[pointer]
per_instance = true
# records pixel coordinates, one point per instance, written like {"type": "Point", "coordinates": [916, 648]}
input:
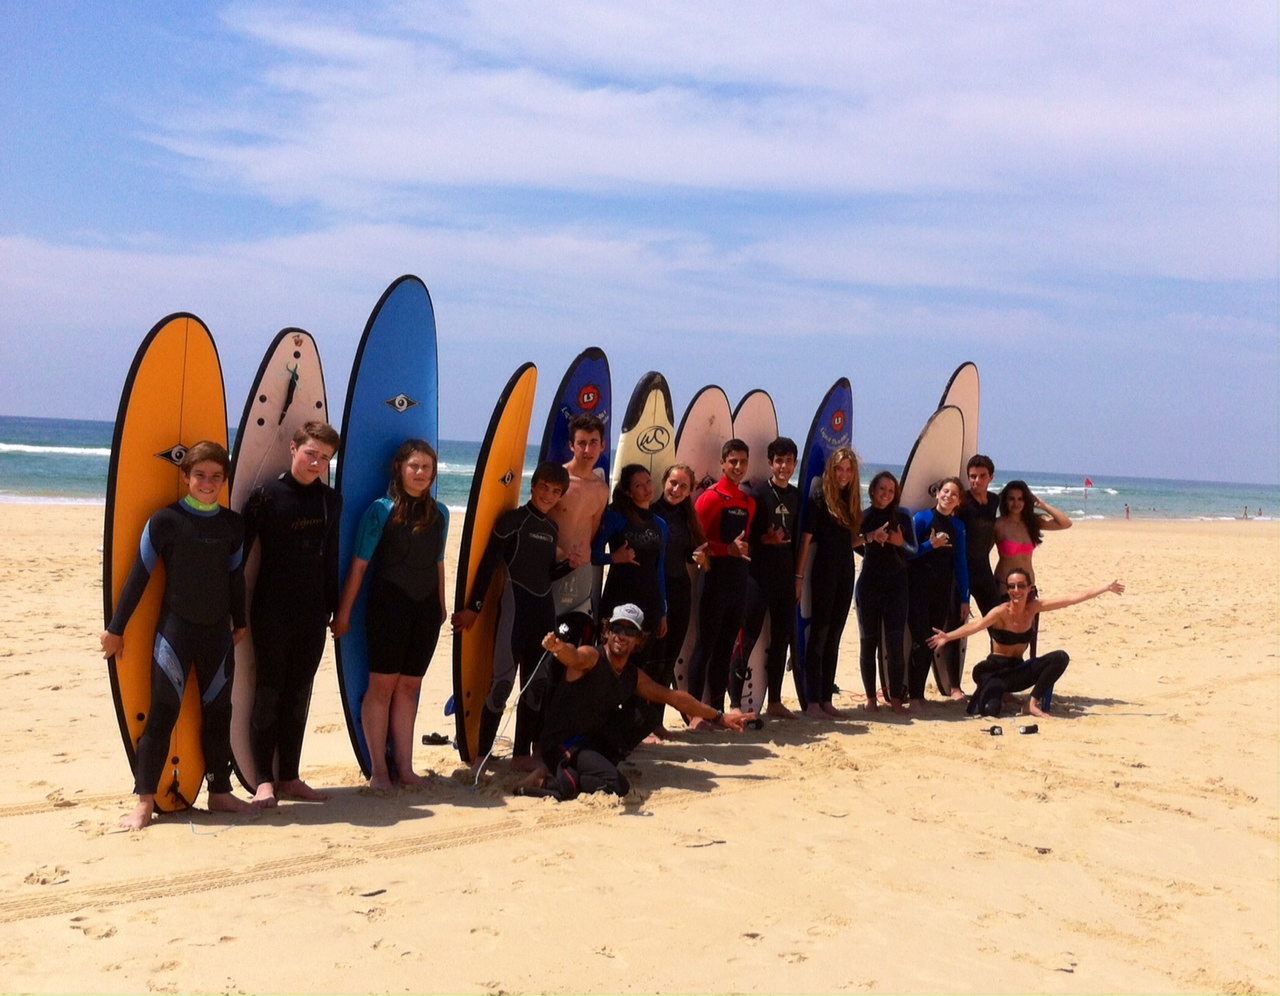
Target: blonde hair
{"type": "Point", "coordinates": [845, 509]}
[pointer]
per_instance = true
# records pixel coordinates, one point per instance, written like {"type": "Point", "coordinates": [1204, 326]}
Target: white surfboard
{"type": "Point", "coordinates": [648, 434]}
{"type": "Point", "coordinates": [963, 391]}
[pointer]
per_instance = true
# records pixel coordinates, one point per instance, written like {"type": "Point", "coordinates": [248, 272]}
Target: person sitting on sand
{"type": "Point", "coordinates": [404, 535]}
{"type": "Point", "coordinates": [597, 714]}
{"type": "Point", "coordinates": [202, 546]}
{"type": "Point", "coordinates": [1005, 672]}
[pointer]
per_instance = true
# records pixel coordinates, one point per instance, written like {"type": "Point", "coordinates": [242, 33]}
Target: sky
{"type": "Point", "coordinates": [1082, 198]}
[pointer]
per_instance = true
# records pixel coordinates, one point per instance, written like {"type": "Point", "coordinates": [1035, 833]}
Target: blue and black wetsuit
{"type": "Point", "coordinates": [980, 536]}
{"type": "Point", "coordinates": [641, 583]}
{"type": "Point", "coordinates": [725, 512]}
{"type": "Point", "coordinates": [203, 553]}
{"type": "Point", "coordinates": [938, 578]}
{"type": "Point", "coordinates": [771, 587]}
{"type": "Point", "coordinates": [294, 599]}
{"type": "Point", "coordinates": [404, 614]}
{"type": "Point", "coordinates": [882, 599]}
{"type": "Point", "coordinates": [830, 593]}
{"type": "Point", "coordinates": [524, 540]}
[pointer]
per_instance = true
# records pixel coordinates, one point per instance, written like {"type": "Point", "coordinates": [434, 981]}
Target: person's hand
{"type": "Point", "coordinates": [624, 554]}
{"type": "Point", "coordinates": [662, 627]}
{"type": "Point", "coordinates": [736, 721]}
{"type": "Point", "coordinates": [740, 547]}
{"type": "Point", "coordinates": [112, 645]}
{"type": "Point", "coordinates": [774, 536]}
{"type": "Point", "coordinates": [894, 536]}
{"type": "Point", "coordinates": [1117, 587]}
{"type": "Point", "coordinates": [237, 635]}
{"type": "Point", "coordinates": [964, 613]}
{"type": "Point", "coordinates": [938, 640]}
{"type": "Point", "coordinates": [799, 589]}
{"type": "Point", "coordinates": [341, 624]}
{"type": "Point", "coordinates": [700, 556]}
{"type": "Point", "coordinates": [576, 559]}
{"type": "Point", "coordinates": [553, 644]}
{"type": "Point", "coordinates": [938, 540]}
{"type": "Point", "coordinates": [464, 619]}
{"type": "Point", "coordinates": [881, 535]}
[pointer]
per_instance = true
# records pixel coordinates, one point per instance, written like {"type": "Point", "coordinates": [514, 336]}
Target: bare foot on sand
{"type": "Point", "coordinates": [381, 783]}
{"type": "Point", "coordinates": [535, 779]}
{"type": "Point", "coordinates": [1032, 708]}
{"type": "Point", "coordinates": [296, 788]}
{"type": "Point", "coordinates": [897, 706]}
{"type": "Point", "coordinates": [140, 818]}
{"type": "Point", "coordinates": [411, 779]}
{"type": "Point", "coordinates": [958, 696]}
{"type": "Point", "coordinates": [833, 712]}
{"type": "Point", "coordinates": [225, 802]}
{"type": "Point", "coordinates": [872, 705]}
{"type": "Point", "coordinates": [698, 725]}
{"type": "Point", "coordinates": [776, 710]}
{"type": "Point", "coordinates": [815, 711]}
{"type": "Point", "coordinates": [916, 707]}
{"type": "Point", "coordinates": [265, 797]}
{"type": "Point", "coordinates": [525, 763]}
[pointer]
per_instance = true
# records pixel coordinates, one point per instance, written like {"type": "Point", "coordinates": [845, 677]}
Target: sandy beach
{"type": "Point", "coordinates": [1131, 845]}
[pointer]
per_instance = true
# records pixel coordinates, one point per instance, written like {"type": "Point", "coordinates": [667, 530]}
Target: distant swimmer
{"type": "Point", "coordinates": [1010, 624]}
{"type": "Point", "coordinates": [201, 545]}
{"type": "Point", "coordinates": [578, 514]}
{"type": "Point", "coordinates": [403, 536]}
{"type": "Point", "coordinates": [600, 711]}
{"type": "Point", "coordinates": [1126, 510]}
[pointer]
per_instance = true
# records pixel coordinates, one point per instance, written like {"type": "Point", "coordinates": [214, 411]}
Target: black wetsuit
{"type": "Point", "coordinates": [641, 583]}
{"type": "Point", "coordinates": [404, 614]}
{"type": "Point", "coordinates": [830, 594]}
{"type": "Point", "coordinates": [938, 579]}
{"type": "Point", "coordinates": [725, 511]}
{"type": "Point", "coordinates": [882, 599]}
{"type": "Point", "coordinates": [771, 588]}
{"type": "Point", "coordinates": [679, 587]}
{"type": "Point", "coordinates": [980, 537]}
{"type": "Point", "coordinates": [999, 674]}
{"type": "Point", "coordinates": [592, 724]}
{"type": "Point", "coordinates": [524, 540]}
{"type": "Point", "coordinates": [295, 596]}
{"type": "Point", "coordinates": [203, 554]}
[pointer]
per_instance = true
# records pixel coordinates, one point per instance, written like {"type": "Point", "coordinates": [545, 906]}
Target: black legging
{"type": "Point", "coordinates": [932, 605]}
{"type": "Point", "coordinates": [777, 597]}
{"type": "Point", "coordinates": [830, 595]}
{"type": "Point", "coordinates": [882, 615]}
{"type": "Point", "coordinates": [679, 600]}
{"type": "Point", "coordinates": [724, 594]}
{"type": "Point", "coordinates": [1037, 673]}
{"type": "Point", "coordinates": [179, 646]}
{"type": "Point", "coordinates": [287, 648]}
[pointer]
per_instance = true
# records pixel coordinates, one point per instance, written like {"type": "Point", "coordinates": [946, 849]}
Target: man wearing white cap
{"type": "Point", "coordinates": [596, 715]}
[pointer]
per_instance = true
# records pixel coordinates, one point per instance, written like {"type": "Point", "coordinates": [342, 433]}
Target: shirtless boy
{"type": "Point", "coordinates": [578, 513]}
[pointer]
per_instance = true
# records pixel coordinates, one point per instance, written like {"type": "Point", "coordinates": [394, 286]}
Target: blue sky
{"type": "Point", "coordinates": [1081, 198]}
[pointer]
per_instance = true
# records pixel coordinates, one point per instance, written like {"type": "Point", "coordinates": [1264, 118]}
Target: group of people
{"type": "Point", "coordinates": [596, 663]}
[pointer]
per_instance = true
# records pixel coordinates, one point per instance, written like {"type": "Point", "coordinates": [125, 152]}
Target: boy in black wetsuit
{"type": "Point", "coordinates": [978, 513]}
{"type": "Point", "coordinates": [296, 519]}
{"type": "Point", "coordinates": [596, 715]}
{"type": "Point", "coordinates": [770, 588]}
{"type": "Point", "coordinates": [725, 512]}
{"type": "Point", "coordinates": [202, 546]}
{"type": "Point", "coordinates": [524, 540]}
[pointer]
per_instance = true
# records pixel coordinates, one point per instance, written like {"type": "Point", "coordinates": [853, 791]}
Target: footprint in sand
{"type": "Point", "coordinates": [49, 875]}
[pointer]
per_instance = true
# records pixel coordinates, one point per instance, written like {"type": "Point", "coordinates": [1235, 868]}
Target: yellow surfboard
{"type": "Point", "coordinates": [173, 398]}
{"type": "Point", "coordinates": [495, 489]}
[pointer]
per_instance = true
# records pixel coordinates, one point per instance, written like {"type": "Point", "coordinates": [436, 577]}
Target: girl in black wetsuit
{"type": "Point", "coordinates": [833, 517]}
{"type": "Point", "coordinates": [633, 540]}
{"type": "Point", "coordinates": [405, 533]}
{"type": "Point", "coordinates": [685, 553]}
{"type": "Point", "coordinates": [1011, 625]}
{"type": "Point", "coordinates": [887, 542]}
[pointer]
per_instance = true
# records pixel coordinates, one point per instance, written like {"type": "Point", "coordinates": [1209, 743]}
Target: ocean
{"type": "Point", "coordinates": [46, 460]}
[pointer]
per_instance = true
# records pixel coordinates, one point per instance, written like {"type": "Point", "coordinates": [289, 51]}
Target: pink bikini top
{"type": "Point", "coordinates": [1012, 548]}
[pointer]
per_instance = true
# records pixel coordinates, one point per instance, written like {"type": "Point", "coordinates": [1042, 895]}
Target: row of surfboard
{"type": "Point", "coordinates": [173, 397]}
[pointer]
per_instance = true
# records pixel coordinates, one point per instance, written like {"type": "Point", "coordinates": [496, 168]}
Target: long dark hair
{"type": "Point", "coordinates": [690, 512]}
{"type": "Point", "coordinates": [1029, 517]}
{"type": "Point", "coordinates": [892, 507]}
{"type": "Point", "coordinates": [622, 493]}
{"type": "Point", "coordinates": [402, 501]}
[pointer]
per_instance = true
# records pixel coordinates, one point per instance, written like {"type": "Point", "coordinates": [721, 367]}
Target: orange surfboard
{"type": "Point", "coordinates": [173, 398]}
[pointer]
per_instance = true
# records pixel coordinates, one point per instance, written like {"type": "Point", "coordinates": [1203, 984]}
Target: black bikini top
{"type": "Point", "coordinates": [1010, 638]}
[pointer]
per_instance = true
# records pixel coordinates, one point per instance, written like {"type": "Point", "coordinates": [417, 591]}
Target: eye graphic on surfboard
{"type": "Point", "coordinates": [507, 478]}
{"type": "Point", "coordinates": [653, 440]}
{"type": "Point", "coordinates": [174, 455]}
{"type": "Point", "coordinates": [401, 403]}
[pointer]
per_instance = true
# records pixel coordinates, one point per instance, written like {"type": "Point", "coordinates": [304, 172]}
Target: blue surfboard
{"type": "Point", "coordinates": [585, 389]}
{"type": "Point", "coordinates": [392, 395]}
{"type": "Point", "coordinates": [832, 427]}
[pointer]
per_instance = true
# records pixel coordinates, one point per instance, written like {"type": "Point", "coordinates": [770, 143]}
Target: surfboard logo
{"type": "Point", "coordinates": [297, 342]}
{"type": "Point", "coordinates": [401, 403]}
{"type": "Point", "coordinates": [838, 421]}
{"type": "Point", "coordinates": [507, 478]}
{"type": "Point", "coordinates": [174, 455]}
{"type": "Point", "coordinates": [653, 440]}
{"type": "Point", "coordinates": [934, 488]}
{"type": "Point", "coordinates": [589, 397]}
